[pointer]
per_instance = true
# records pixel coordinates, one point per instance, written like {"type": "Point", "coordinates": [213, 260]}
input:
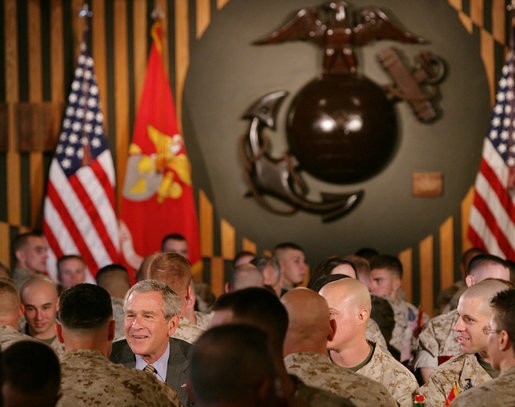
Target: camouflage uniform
{"type": "Point", "coordinates": [314, 397]}
{"type": "Point", "coordinates": [437, 339]}
{"type": "Point", "coordinates": [119, 318]}
{"type": "Point", "coordinates": [20, 276]}
{"type": "Point", "coordinates": [447, 300]}
{"type": "Point", "coordinates": [57, 346]}
{"type": "Point", "coordinates": [374, 333]}
{"type": "Point", "coordinates": [459, 370]}
{"type": "Point", "coordinates": [88, 378]}
{"type": "Point", "coordinates": [402, 333]}
{"type": "Point", "coordinates": [9, 336]}
{"type": "Point", "coordinates": [499, 392]}
{"type": "Point", "coordinates": [188, 331]}
{"type": "Point", "coordinates": [397, 379]}
{"type": "Point", "coordinates": [317, 370]}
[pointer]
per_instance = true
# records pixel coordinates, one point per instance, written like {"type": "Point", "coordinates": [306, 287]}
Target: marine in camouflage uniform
{"type": "Point", "coordinates": [464, 370]}
{"type": "Point", "coordinates": [374, 333]}
{"type": "Point", "coordinates": [438, 340]}
{"type": "Point", "coordinates": [119, 317]}
{"type": "Point", "coordinates": [88, 378]}
{"type": "Point", "coordinates": [314, 397]}
{"type": "Point", "coordinates": [402, 333]}
{"type": "Point", "coordinates": [499, 392]}
{"type": "Point", "coordinates": [317, 370]}
{"type": "Point", "coordinates": [190, 332]}
{"type": "Point", "coordinates": [385, 369]}
{"type": "Point", "coordinates": [9, 335]}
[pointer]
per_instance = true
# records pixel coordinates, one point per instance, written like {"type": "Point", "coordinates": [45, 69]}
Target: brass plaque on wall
{"type": "Point", "coordinates": [427, 184]}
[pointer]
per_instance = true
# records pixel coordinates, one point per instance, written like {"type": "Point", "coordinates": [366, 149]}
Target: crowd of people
{"type": "Point", "coordinates": [350, 338]}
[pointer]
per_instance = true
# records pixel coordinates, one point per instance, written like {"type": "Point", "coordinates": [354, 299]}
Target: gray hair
{"type": "Point", "coordinates": [264, 261]}
{"type": "Point", "coordinates": [171, 301]}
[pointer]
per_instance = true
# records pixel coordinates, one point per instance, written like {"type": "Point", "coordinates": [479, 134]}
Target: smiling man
{"type": "Point", "coordinates": [152, 312]}
{"type": "Point", "coordinates": [39, 297]}
{"type": "Point", "coordinates": [472, 367]}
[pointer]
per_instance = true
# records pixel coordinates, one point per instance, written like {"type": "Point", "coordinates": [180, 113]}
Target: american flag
{"type": "Point", "coordinates": [79, 211]}
{"type": "Point", "coordinates": [492, 216]}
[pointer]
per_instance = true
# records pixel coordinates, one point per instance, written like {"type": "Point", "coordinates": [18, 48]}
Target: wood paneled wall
{"type": "Point", "coordinates": [39, 45]}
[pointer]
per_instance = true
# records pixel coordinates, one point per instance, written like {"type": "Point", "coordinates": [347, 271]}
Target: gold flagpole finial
{"type": "Point", "coordinates": [85, 11]}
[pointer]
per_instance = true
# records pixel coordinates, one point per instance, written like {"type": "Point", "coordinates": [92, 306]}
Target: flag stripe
{"type": "Point", "coordinates": [91, 211]}
{"type": "Point", "coordinates": [104, 176]}
{"type": "Point", "coordinates": [79, 215]}
{"type": "Point", "coordinates": [75, 233]}
{"type": "Point", "coordinates": [481, 235]}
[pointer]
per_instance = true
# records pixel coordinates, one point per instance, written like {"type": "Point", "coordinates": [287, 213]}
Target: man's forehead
{"type": "Point", "coordinates": [471, 306]}
{"type": "Point", "coordinates": [294, 253]}
{"type": "Point", "coordinates": [72, 263]}
{"type": "Point", "coordinates": [35, 241]}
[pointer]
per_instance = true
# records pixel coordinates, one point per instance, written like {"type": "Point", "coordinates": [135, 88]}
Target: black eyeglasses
{"type": "Point", "coordinates": [487, 330]}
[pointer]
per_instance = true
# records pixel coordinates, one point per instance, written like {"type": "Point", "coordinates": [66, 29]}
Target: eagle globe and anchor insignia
{"type": "Point", "coordinates": [341, 126]}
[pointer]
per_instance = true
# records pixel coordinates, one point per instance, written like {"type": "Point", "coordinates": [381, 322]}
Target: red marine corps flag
{"type": "Point", "coordinates": [79, 214]}
{"type": "Point", "coordinates": [157, 194]}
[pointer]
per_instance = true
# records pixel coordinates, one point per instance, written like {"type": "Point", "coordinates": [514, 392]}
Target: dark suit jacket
{"type": "Point", "coordinates": [178, 364]}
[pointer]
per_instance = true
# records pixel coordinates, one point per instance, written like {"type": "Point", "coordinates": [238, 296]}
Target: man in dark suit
{"type": "Point", "coordinates": [152, 312]}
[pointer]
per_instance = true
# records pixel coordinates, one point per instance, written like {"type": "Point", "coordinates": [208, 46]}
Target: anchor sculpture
{"type": "Point", "coordinates": [341, 127]}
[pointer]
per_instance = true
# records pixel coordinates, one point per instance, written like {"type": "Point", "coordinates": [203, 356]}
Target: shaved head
{"type": "Point", "coordinates": [10, 305]}
{"type": "Point", "coordinates": [246, 275]}
{"type": "Point", "coordinates": [353, 292]}
{"type": "Point", "coordinates": [484, 291]}
{"type": "Point", "coordinates": [306, 326]}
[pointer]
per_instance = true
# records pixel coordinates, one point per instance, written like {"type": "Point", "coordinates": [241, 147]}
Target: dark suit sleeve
{"type": "Point", "coordinates": [122, 353]}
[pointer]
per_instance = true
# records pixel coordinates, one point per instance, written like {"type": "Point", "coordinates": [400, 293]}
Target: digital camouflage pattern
{"type": "Point", "coordinates": [57, 346]}
{"type": "Point", "coordinates": [9, 336]}
{"type": "Point", "coordinates": [393, 375]}
{"type": "Point", "coordinates": [314, 397]}
{"type": "Point", "coordinates": [402, 334]}
{"type": "Point", "coordinates": [88, 378]}
{"type": "Point", "coordinates": [499, 392]}
{"type": "Point", "coordinates": [438, 338]}
{"type": "Point", "coordinates": [188, 331]}
{"type": "Point", "coordinates": [119, 318]}
{"type": "Point", "coordinates": [317, 370]}
{"type": "Point", "coordinates": [374, 333]}
{"type": "Point", "coordinates": [459, 370]}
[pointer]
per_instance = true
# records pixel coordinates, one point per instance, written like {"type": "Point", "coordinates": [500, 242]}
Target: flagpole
{"type": "Point", "coordinates": [157, 13]}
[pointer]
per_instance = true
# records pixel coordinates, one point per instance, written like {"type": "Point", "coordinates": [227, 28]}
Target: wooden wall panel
{"type": "Point", "coordinates": [35, 96]}
{"type": "Point", "coordinates": [206, 225]}
{"type": "Point", "coordinates": [466, 205]}
{"type": "Point", "coordinates": [477, 12]}
{"type": "Point", "coordinates": [221, 3]}
{"type": "Point", "coordinates": [12, 95]}
{"type": "Point", "coordinates": [488, 57]}
{"type": "Point", "coordinates": [499, 21]}
{"type": "Point", "coordinates": [5, 247]}
{"type": "Point", "coordinates": [228, 238]}
{"type": "Point", "coordinates": [121, 90]}
{"type": "Point", "coordinates": [466, 21]}
{"type": "Point", "coordinates": [140, 48]}
{"type": "Point", "coordinates": [56, 46]}
{"type": "Point", "coordinates": [248, 246]}
{"type": "Point", "coordinates": [456, 4]}
{"type": "Point", "coordinates": [182, 53]}
{"type": "Point", "coordinates": [447, 253]}
{"type": "Point", "coordinates": [203, 16]}
{"type": "Point", "coordinates": [426, 275]}
{"type": "Point", "coordinates": [406, 258]}
{"type": "Point", "coordinates": [217, 276]}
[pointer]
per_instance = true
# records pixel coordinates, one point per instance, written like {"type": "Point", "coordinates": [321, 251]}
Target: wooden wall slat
{"type": "Point", "coordinates": [203, 16]}
{"type": "Point", "coordinates": [221, 3]}
{"type": "Point", "coordinates": [228, 237]}
{"type": "Point", "coordinates": [121, 90]}
{"type": "Point", "coordinates": [499, 21]}
{"type": "Point", "coordinates": [5, 247]}
{"type": "Point", "coordinates": [98, 35]}
{"type": "Point", "coordinates": [248, 246]}
{"type": "Point", "coordinates": [426, 275]}
{"type": "Point", "coordinates": [12, 95]}
{"type": "Point", "coordinates": [406, 258]}
{"type": "Point", "coordinates": [477, 12]}
{"type": "Point", "coordinates": [182, 54]}
{"type": "Point", "coordinates": [466, 21]}
{"type": "Point", "coordinates": [35, 95]}
{"type": "Point", "coordinates": [447, 253]}
{"type": "Point", "coordinates": [488, 57]}
{"type": "Point", "coordinates": [140, 48]}
{"type": "Point", "coordinates": [57, 47]}
{"type": "Point", "coordinates": [217, 276]}
{"type": "Point", "coordinates": [466, 206]}
{"type": "Point", "coordinates": [206, 225]}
